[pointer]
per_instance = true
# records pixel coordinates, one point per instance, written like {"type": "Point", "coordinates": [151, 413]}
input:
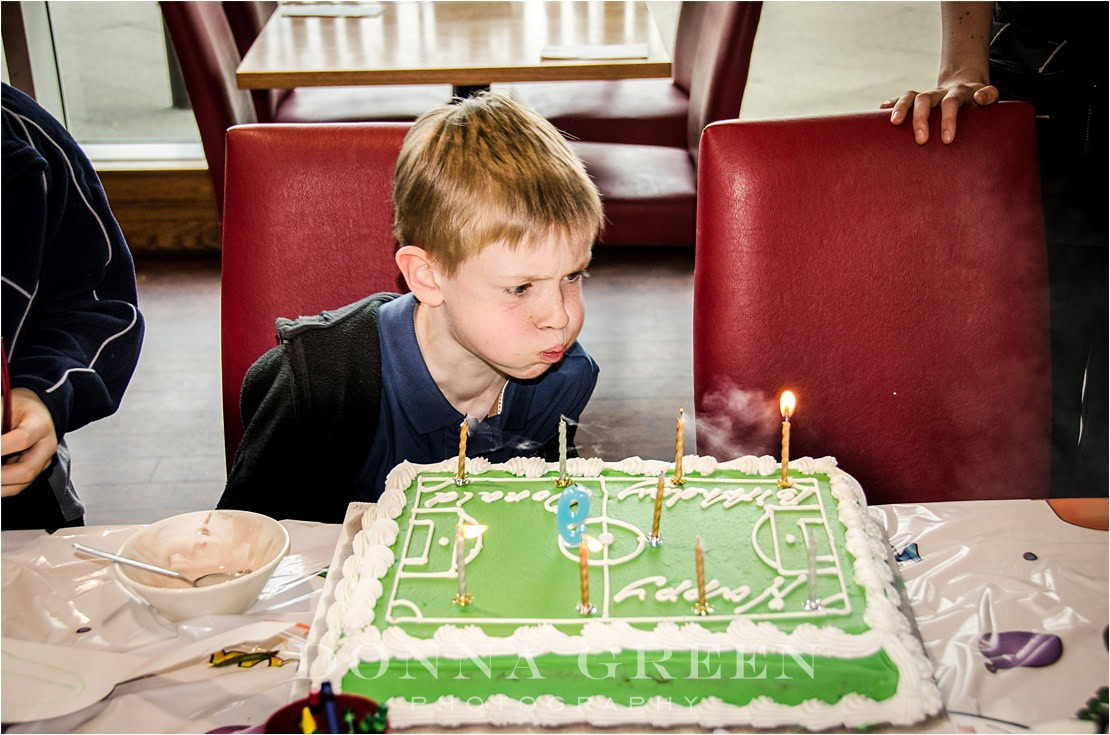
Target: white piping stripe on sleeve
{"type": "Point", "coordinates": [72, 175]}
{"type": "Point", "coordinates": [18, 329]}
{"type": "Point", "coordinates": [16, 286]}
{"type": "Point", "coordinates": [134, 320]}
{"type": "Point", "coordinates": [26, 132]}
{"type": "Point", "coordinates": [31, 142]}
{"type": "Point", "coordinates": [89, 369]}
{"type": "Point", "coordinates": [65, 375]}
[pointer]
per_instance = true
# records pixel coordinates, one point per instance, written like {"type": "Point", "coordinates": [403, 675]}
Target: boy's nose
{"type": "Point", "coordinates": [555, 314]}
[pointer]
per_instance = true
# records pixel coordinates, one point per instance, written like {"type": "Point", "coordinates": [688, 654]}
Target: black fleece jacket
{"type": "Point", "coordinates": [310, 412]}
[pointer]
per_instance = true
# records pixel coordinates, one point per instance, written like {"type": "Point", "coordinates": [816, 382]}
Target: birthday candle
{"type": "Point", "coordinates": [463, 431]}
{"type": "Point", "coordinates": [654, 538]}
{"type": "Point", "coordinates": [584, 571]}
{"type": "Point", "coordinates": [786, 406]}
{"type": "Point", "coordinates": [562, 450]}
{"type": "Point", "coordinates": [702, 608]}
{"type": "Point", "coordinates": [680, 436]}
{"type": "Point", "coordinates": [460, 560]}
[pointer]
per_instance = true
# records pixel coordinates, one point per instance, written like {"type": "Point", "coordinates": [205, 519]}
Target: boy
{"type": "Point", "coordinates": [495, 217]}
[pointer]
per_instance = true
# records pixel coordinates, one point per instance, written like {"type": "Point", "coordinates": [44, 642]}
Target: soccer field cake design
{"type": "Point", "coordinates": [466, 604]}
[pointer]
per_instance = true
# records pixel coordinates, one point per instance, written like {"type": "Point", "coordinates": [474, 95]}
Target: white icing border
{"type": "Point", "coordinates": [915, 698]}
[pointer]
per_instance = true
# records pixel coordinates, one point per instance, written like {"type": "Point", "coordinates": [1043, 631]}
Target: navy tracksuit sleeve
{"type": "Point", "coordinates": [71, 322]}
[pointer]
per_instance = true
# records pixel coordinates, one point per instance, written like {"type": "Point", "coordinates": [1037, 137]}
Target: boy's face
{"type": "Point", "coordinates": [518, 309]}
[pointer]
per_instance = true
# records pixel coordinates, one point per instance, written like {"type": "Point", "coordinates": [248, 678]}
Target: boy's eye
{"type": "Point", "coordinates": [519, 290]}
{"type": "Point", "coordinates": [577, 276]}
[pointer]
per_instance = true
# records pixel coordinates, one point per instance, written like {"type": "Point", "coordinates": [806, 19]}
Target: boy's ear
{"type": "Point", "coordinates": [420, 274]}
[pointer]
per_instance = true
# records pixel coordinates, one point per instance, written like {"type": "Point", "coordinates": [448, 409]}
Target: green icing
{"type": "Point", "coordinates": [521, 574]}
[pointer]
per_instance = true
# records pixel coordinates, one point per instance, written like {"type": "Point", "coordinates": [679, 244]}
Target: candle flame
{"type": "Point", "coordinates": [682, 415]}
{"type": "Point", "coordinates": [473, 530]}
{"type": "Point", "coordinates": [592, 544]}
{"type": "Point", "coordinates": [787, 403]}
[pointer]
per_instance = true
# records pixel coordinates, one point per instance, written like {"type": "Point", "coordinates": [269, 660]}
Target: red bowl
{"type": "Point", "coordinates": [288, 718]}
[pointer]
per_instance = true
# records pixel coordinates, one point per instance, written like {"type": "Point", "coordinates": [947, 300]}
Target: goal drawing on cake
{"type": "Point", "coordinates": [756, 537]}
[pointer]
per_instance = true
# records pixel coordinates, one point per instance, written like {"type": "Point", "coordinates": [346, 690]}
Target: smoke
{"type": "Point", "coordinates": [531, 447]}
{"type": "Point", "coordinates": [733, 422]}
{"type": "Point", "coordinates": [527, 447]}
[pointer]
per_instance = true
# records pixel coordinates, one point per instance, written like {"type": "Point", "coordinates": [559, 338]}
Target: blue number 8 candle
{"type": "Point", "coordinates": [574, 509]}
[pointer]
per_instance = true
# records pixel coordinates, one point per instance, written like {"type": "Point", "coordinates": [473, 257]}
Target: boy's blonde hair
{"type": "Point", "coordinates": [489, 170]}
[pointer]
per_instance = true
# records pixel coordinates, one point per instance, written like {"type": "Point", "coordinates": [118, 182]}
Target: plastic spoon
{"type": "Point", "coordinates": [205, 580]}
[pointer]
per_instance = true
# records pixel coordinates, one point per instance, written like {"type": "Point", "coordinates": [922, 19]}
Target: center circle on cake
{"type": "Point", "coordinates": [626, 534]}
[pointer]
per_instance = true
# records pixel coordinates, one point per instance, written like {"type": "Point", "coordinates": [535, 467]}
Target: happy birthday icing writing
{"type": "Point", "coordinates": [709, 496]}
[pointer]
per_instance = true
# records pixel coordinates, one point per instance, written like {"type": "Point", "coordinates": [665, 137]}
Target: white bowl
{"type": "Point", "coordinates": [198, 543]}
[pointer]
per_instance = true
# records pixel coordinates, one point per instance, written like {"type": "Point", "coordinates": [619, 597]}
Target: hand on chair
{"type": "Point", "coordinates": [951, 95]}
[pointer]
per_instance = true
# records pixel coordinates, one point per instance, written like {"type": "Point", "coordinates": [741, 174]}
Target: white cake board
{"type": "Point", "coordinates": [352, 524]}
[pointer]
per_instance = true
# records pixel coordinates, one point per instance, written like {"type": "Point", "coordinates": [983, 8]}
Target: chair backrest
{"type": "Point", "coordinates": [308, 227]}
{"type": "Point", "coordinates": [246, 19]}
{"type": "Point", "coordinates": [900, 290]}
{"type": "Point", "coordinates": [208, 56]}
{"type": "Point", "coordinates": [713, 50]}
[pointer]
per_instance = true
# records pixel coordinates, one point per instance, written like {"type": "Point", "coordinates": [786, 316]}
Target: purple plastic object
{"type": "Point", "coordinates": [1019, 648]}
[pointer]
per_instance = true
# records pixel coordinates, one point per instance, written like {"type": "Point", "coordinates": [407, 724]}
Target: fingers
{"type": "Point", "coordinates": [19, 474]}
{"type": "Point", "coordinates": [9, 490]}
{"type": "Point", "coordinates": [16, 440]}
{"type": "Point", "coordinates": [987, 95]}
{"type": "Point", "coordinates": [949, 106]}
{"type": "Point", "coordinates": [31, 422]}
{"type": "Point", "coordinates": [901, 106]}
{"type": "Point", "coordinates": [921, 107]}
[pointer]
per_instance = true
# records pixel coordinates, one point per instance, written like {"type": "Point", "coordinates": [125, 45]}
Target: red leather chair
{"type": "Point", "coordinates": [900, 290]}
{"type": "Point", "coordinates": [713, 48]}
{"type": "Point", "coordinates": [246, 18]}
{"type": "Point", "coordinates": [208, 58]}
{"type": "Point", "coordinates": [208, 53]}
{"type": "Point", "coordinates": [308, 227]}
{"type": "Point", "coordinates": [328, 104]}
{"type": "Point", "coordinates": [650, 191]}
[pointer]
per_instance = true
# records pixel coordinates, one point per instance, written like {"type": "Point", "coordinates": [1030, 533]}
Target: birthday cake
{"type": "Point", "coordinates": [468, 605]}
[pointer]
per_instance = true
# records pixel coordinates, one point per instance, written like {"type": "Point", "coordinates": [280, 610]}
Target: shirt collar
{"type": "Point", "coordinates": [421, 400]}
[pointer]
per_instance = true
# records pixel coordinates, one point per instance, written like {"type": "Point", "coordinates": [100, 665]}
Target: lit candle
{"type": "Point", "coordinates": [464, 531]}
{"type": "Point", "coordinates": [702, 608]}
{"type": "Point", "coordinates": [678, 442]}
{"type": "Point", "coordinates": [587, 545]}
{"type": "Point", "coordinates": [811, 580]}
{"type": "Point", "coordinates": [655, 539]}
{"type": "Point", "coordinates": [562, 481]}
{"type": "Point", "coordinates": [460, 478]}
{"type": "Point", "coordinates": [786, 406]}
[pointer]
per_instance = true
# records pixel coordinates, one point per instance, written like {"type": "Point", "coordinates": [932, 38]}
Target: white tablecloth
{"type": "Point", "coordinates": [972, 578]}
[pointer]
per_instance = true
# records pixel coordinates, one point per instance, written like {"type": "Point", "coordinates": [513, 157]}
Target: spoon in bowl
{"type": "Point", "coordinates": [205, 580]}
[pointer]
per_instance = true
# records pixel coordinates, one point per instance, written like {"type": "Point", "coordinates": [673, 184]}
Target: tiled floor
{"type": "Point", "coordinates": [162, 453]}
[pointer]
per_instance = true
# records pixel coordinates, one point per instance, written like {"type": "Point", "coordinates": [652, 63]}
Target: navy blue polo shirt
{"type": "Point", "coordinates": [416, 423]}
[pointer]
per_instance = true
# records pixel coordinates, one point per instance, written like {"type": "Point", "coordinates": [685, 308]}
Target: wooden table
{"type": "Point", "coordinates": [466, 44]}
